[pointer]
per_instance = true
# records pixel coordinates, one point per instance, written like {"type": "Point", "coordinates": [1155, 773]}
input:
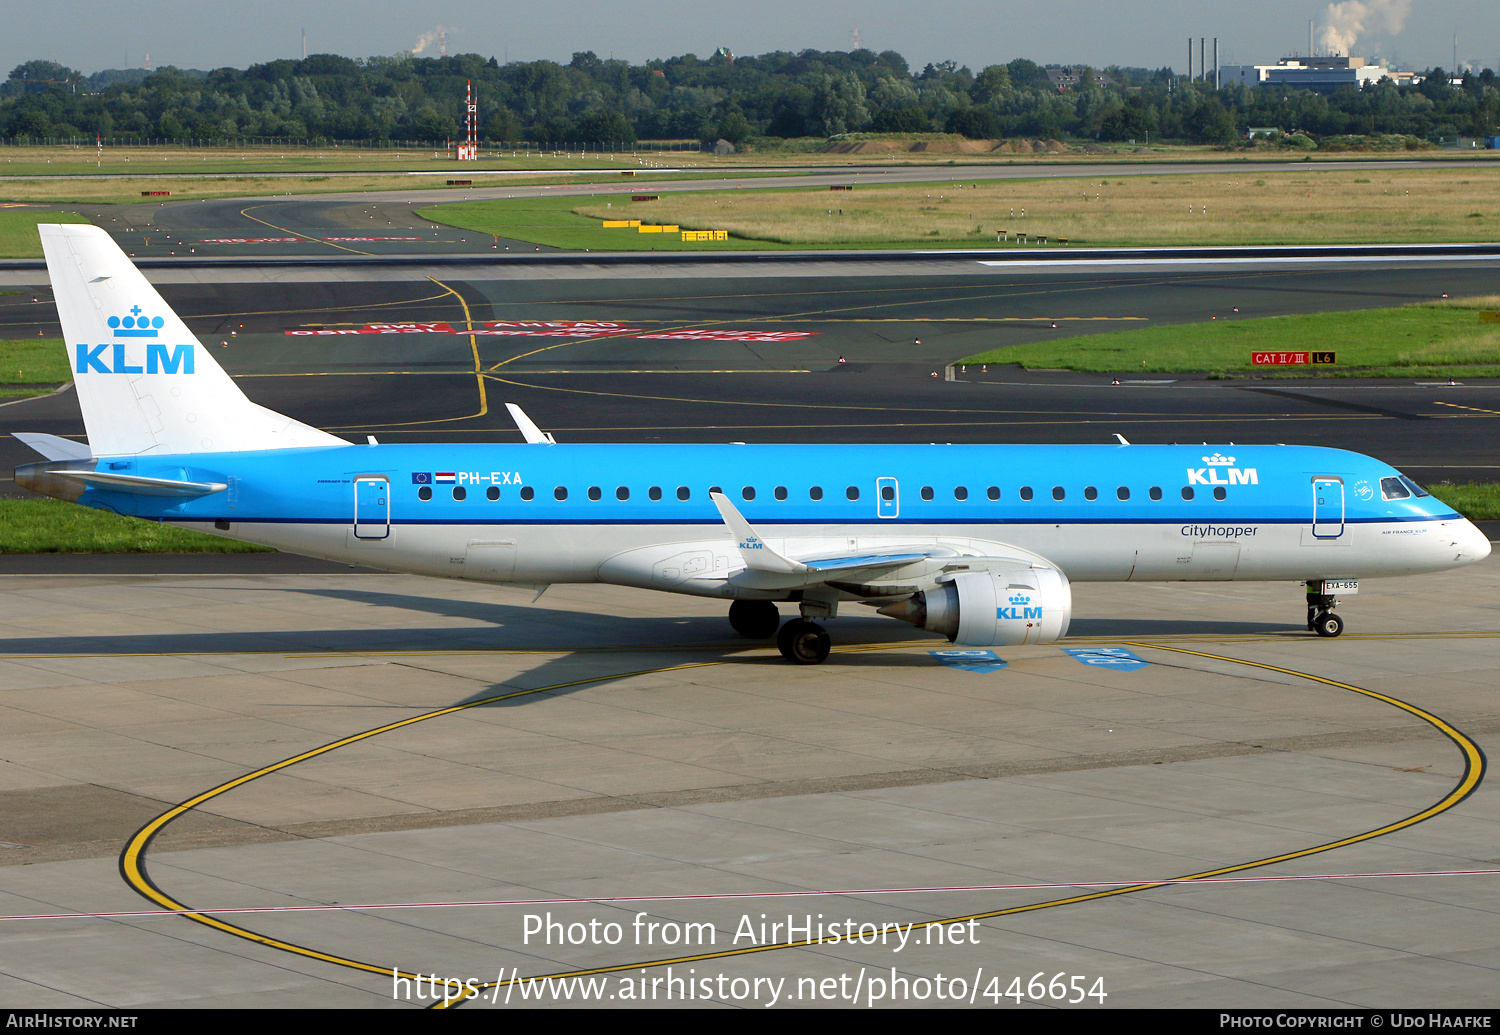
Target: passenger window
{"type": "Point", "coordinates": [527, 492]}
{"type": "Point", "coordinates": [1187, 492]}
{"type": "Point", "coordinates": [815, 493]}
{"type": "Point", "coordinates": [682, 492]}
{"type": "Point", "coordinates": [460, 493]}
{"type": "Point", "coordinates": [560, 493]}
{"type": "Point", "coordinates": [887, 492]}
{"type": "Point", "coordinates": [960, 492]}
{"type": "Point", "coordinates": [994, 492]}
{"type": "Point", "coordinates": [1090, 493]}
{"type": "Point", "coordinates": [780, 492]}
{"type": "Point", "coordinates": [927, 492]}
{"type": "Point", "coordinates": [715, 488]}
{"type": "Point", "coordinates": [622, 493]}
{"type": "Point", "coordinates": [748, 492]}
{"type": "Point", "coordinates": [493, 492]}
{"type": "Point", "coordinates": [1220, 492]}
{"type": "Point", "coordinates": [1057, 492]}
{"type": "Point", "coordinates": [425, 492]}
{"type": "Point", "coordinates": [1122, 493]}
{"type": "Point", "coordinates": [1026, 493]}
{"type": "Point", "coordinates": [1393, 489]}
{"type": "Point", "coordinates": [852, 492]}
{"type": "Point", "coordinates": [654, 492]}
{"type": "Point", "coordinates": [1155, 492]}
{"type": "Point", "coordinates": [594, 493]}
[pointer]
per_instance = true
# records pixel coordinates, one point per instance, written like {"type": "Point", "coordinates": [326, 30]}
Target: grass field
{"type": "Point", "coordinates": [1452, 338]}
{"type": "Point", "coordinates": [18, 237]}
{"type": "Point", "coordinates": [32, 366]}
{"type": "Point", "coordinates": [52, 526]}
{"type": "Point", "coordinates": [82, 160]}
{"type": "Point", "coordinates": [554, 222]}
{"type": "Point", "coordinates": [1477, 501]}
{"type": "Point", "coordinates": [1254, 207]}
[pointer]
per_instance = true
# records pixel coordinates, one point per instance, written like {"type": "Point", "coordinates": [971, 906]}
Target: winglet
{"type": "Point", "coordinates": [753, 550]}
{"type": "Point", "coordinates": [1121, 438]}
{"type": "Point", "coordinates": [533, 435]}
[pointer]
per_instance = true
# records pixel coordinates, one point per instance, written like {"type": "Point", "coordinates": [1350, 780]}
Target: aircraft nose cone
{"type": "Point", "coordinates": [1473, 545]}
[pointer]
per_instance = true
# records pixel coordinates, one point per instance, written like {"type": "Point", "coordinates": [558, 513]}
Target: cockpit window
{"type": "Point", "coordinates": [1416, 490]}
{"type": "Point", "coordinates": [1393, 489]}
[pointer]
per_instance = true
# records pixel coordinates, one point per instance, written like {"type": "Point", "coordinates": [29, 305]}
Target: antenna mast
{"type": "Point", "coordinates": [468, 151]}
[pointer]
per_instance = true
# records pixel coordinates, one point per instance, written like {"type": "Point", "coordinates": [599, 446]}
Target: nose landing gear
{"type": "Point", "coordinates": [1320, 614]}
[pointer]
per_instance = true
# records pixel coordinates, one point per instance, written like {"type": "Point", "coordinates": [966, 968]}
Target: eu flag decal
{"type": "Point", "coordinates": [1117, 658]}
{"type": "Point", "coordinates": [970, 660]}
{"type": "Point", "coordinates": [421, 478]}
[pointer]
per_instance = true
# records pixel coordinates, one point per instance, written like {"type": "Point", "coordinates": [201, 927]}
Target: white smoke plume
{"type": "Point", "coordinates": [426, 40]}
{"type": "Point", "coordinates": [1344, 23]}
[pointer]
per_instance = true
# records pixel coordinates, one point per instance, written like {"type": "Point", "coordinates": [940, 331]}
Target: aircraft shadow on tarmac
{"type": "Point", "coordinates": [518, 626]}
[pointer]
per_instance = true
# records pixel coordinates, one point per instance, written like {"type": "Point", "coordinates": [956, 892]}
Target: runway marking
{"type": "Point", "coordinates": [133, 856]}
{"type": "Point", "coordinates": [286, 230]}
{"type": "Point", "coordinates": [484, 403]}
{"type": "Point", "coordinates": [738, 896]}
{"type": "Point", "coordinates": [1476, 409]}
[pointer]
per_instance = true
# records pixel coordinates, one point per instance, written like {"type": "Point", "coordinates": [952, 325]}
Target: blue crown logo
{"type": "Point", "coordinates": [135, 325]}
{"type": "Point", "coordinates": [1020, 600]}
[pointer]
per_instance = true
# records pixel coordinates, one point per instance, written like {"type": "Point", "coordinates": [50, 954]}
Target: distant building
{"type": "Point", "coordinates": [1067, 78]}
{"type": "Point", "coordinates": [1264, 132]}
{"type": "Point", "coordinates": [1314, 73]}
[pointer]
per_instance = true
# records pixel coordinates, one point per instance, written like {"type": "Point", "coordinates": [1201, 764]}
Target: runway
{"type": "Point", "coordinates": [655, 358]}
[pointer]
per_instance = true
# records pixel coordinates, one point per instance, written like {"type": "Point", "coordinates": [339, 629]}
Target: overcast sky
{"type": "Point", "coordinates": [89, 35]}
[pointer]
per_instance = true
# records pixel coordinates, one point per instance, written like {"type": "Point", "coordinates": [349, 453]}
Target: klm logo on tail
{"type": "Point", "coordinates": [112, 358]}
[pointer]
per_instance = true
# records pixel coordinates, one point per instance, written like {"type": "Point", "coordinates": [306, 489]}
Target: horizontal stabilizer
{"type": "Point", "coordinates": [53, 447]}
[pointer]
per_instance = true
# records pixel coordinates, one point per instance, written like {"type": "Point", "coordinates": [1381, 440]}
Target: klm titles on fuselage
{"type": "Point", "coordinates": [1210, 475]}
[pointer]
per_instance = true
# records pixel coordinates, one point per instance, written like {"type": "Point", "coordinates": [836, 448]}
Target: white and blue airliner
{"type": "Point", "coordinates": [977, 543]}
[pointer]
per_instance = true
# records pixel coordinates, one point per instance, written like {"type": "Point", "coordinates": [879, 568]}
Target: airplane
{"type": "Point", "coordinates": [978, 543]}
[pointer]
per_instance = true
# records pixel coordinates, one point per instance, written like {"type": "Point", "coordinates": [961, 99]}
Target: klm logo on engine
{"type": "Point", "coordinates": [1019, 609]}
{"type": "Point", "coordinates": [1217, 464]}
{"type": "Point", "coordinates": [113, 358]}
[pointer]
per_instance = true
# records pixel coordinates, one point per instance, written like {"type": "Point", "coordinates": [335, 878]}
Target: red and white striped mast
{"type": "Point", "coordinates": [469, 150]}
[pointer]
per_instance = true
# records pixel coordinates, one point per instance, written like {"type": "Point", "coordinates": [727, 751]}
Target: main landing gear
{"type": "Point", "coordinates": [754, 619]}
{"type": "Point", "coordinates": [800, 640]}
{"type": "Point", "coordinates": [1320, 614]}
{"type": "Point", "coordinates": [803, 642]}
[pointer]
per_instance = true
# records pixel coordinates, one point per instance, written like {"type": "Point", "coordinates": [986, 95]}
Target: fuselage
{"type": "Point", "coordinates": [641, 514]}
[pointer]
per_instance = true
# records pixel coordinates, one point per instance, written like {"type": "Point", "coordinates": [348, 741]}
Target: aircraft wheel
{"type": "Point", "coordinates": [1328, 624]}
{"type": "Point", "coordinates": [754, 619]}
{"type": "Point", "coordinates": [803, 642]}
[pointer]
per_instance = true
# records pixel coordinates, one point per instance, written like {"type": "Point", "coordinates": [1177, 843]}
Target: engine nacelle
{"type": "Point", "coordinates": [993, 608]}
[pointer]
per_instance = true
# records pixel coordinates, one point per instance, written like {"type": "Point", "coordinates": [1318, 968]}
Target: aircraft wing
{"type": "Point", "coordinates": [861, 572]}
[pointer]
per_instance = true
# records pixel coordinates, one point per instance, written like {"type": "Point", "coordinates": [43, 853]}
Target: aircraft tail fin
{"type": "Point", "coordinates": [145, 383]}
